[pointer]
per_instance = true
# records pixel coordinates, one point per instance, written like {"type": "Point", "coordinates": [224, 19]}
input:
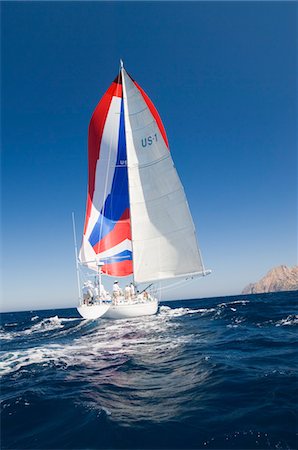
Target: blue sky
{"type": "Point", "coordinates": [223, 78]}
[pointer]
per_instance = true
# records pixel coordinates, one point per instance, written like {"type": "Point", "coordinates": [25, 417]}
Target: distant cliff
{"type": "Point", "coordinates": [280, 278]}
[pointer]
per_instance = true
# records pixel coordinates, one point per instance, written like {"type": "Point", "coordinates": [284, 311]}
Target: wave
{"type": "Point", "coordinates": [292, 319]}
{"type": "Point", "coordinates": [178, 312]}
{"type": "Point", "coordinates": [47, 324]}
{"type": "Point", "coordinates": [50, 323]}
{"type": "Point", "coordinates": [15, 360]}
{"type": "Point", "coordinates": [128, 338]}
{"type": "Point", "coordinates": [236, 302]}
{"type": "Point", "coordinates": [174, 379]}
{"type": "Point", "coordinates": [6, 336]}
{"type": "Point", "coordinates": [90, 341]}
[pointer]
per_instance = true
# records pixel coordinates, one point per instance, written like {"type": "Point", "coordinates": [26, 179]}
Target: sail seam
{"type": "Point", "coordinates": [138, 112]}
{"type": "Point", "coordinates": [145, 126]}
{"type": "Point", "coordinates": [166, 234]}
{"type": "Point", "coordinates": [156, 198]}
{"type": "Point", "coordinates": [140, 166]}
{"type": "Point", "coordinates": [183, 275]}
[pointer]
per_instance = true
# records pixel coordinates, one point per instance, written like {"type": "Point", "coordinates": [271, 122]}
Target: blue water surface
{"type": "Point", "coordinates": [216, 373]}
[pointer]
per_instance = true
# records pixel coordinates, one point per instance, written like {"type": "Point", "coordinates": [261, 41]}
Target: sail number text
{"type": "Point", "coordinates": [149, 140]}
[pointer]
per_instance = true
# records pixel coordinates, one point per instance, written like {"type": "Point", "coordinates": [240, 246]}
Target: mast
{"type": "Point", "coordinates": [76, 254]}
{"type": "Point", "coordinates": [125, 127]}
{"type": "Point", "coordinates": [99, 272]}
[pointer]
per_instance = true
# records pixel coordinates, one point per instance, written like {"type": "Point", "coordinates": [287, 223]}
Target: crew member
{"type": "Point", "coordinates": [127, 292]}
{"type": "Point", "coordinates": [102, 291]}
{"type": "Point", "coordinates": [132, 290]}
{"type": "Point", "coordinates": [88, 292]}
{"type": "Point", "coordinates": [117, 291]}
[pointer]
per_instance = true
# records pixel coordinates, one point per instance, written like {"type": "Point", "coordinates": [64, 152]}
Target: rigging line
{"type": "Point", "coordinates": [118, 84]}
{"type": "Point", "coordinates": [147, 287]}
{"type": "Point", "coordinates": [177, 283]}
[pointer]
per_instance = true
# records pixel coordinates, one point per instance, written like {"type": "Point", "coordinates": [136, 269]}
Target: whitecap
{"type": "Point", "coordinates": [6, 336]}
{"type": "Point", "coordinates": [70, 319]}
{"type": "Point", "coordinates": [178, 312]}
{"type": "Point", "coordinates": [45, 325]}
{"type": "Point", "coordinates": [236, 302]}
{"type": "Point", "coordinates": [50, 323]}
{"type": "Point", "coordinates": [292, 319]}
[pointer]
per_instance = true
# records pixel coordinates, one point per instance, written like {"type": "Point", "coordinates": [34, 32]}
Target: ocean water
{"type": "Point", "coordinates": [216, 373]}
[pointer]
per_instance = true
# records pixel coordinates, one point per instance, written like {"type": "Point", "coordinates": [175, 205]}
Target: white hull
{"type": "Point", "coordinates": [129, 310]}
{"type": "Point", "coordinates": [93, 311]}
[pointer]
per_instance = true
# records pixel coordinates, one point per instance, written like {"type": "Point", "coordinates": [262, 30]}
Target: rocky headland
{"type": "Point", "coordinates": [281, 278]}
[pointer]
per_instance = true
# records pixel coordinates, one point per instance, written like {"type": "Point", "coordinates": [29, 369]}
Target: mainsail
{"type": "Point", "coordinates": [137, 217]}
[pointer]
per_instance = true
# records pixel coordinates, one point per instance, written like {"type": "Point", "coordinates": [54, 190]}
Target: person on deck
{"type": "Point", "coordinates": [102, 291]}
{"type": "Point", "coordinates": [132, 290]}
{"type": "Point", "coordinates": [88, 292]}
{"type": "Point", "coordinates": [127, 292]}
{"type": "Point", "coordinates": [117, 291]}
{"type": "Point", "coordinates": [95, 293]}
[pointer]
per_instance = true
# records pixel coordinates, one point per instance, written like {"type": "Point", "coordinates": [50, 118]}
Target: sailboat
{"type": "Point", "coordinates": [137, 220]}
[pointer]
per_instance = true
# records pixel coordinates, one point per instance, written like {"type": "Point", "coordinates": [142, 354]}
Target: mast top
{"type": "Point", "coordinates": [121, 64]}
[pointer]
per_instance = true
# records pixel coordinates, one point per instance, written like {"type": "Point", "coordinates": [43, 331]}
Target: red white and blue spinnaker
{"type": "Point", "coordinates": [137, 218]}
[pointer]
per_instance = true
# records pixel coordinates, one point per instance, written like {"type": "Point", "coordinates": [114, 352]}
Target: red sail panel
{"type": "Point", "coordinates": [95, 132]}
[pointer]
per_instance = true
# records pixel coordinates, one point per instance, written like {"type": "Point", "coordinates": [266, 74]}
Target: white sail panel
{"type": "Point", "coordinates": [87, 254]}
{"type": "Point", "coordinates": [163, 234]}
{"type": "Point", "coordinates": [106, 164]}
